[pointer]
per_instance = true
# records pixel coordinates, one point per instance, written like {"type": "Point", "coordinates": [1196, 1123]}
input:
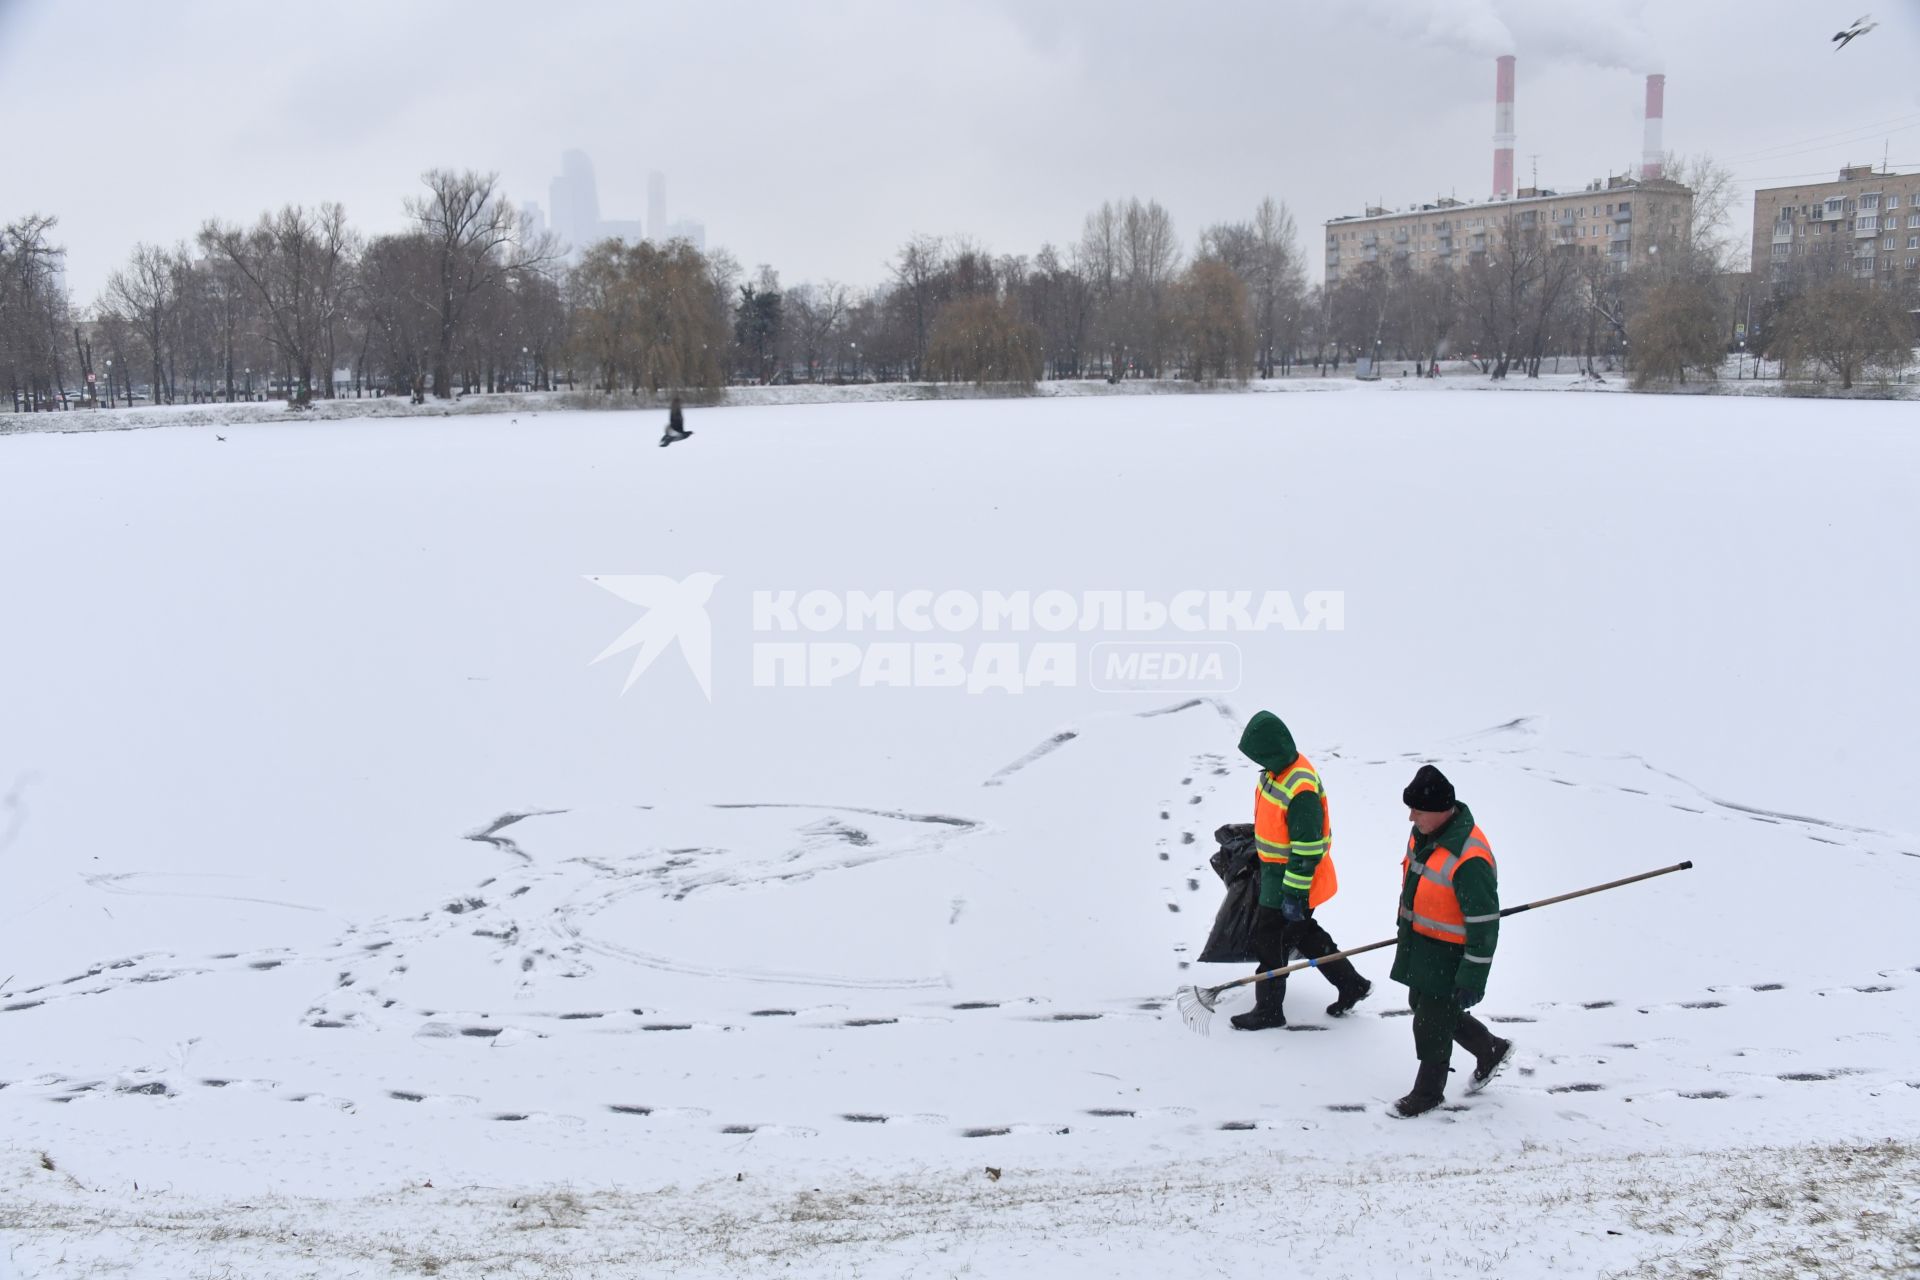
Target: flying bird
{"type": "Point", "coordinates": [1861, 25]}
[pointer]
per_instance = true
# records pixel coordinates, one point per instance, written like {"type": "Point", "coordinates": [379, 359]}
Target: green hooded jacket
{"type": "Point", "coordinates": [1428, 964]}
{"type": "Point", "coordinates": [1267, 742]}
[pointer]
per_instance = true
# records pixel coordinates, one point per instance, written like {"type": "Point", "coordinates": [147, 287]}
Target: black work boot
{"type": "Point", "coordinates": [1490, 1052]}
{"type": "Point", "coordinates": [1429, 1091]}
{"type": "Point", "coordinates": [1347, 980]}
{"type": "Point", "coordinates": [1268, 997]}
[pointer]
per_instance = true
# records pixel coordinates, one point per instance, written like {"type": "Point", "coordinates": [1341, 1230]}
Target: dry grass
{"type": "Point", "coordinates": [1811, 1211]}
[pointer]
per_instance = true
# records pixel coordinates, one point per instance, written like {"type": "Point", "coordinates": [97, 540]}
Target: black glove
{"type": "Point", "coordinates": [1467, 998]}
{"type": "Point", "coordinates": [1293, 907]}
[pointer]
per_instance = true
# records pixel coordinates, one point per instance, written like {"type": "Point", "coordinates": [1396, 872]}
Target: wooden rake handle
{"type": "Point", "coordinates": [1510, 911]}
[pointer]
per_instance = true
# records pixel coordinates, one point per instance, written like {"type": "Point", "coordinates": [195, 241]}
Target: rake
{"type": "Point", "coordinates": [1196, 1004]}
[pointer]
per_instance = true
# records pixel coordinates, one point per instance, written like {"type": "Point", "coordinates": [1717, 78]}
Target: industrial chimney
{"type": "Point", "coordinates": [1503, 128]}
{"type": "Point", "coordinates": [1653, 157]}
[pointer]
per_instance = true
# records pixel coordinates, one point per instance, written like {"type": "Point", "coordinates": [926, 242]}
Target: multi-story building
{"type": "Point", "coordinates": [575, 202]}
{"type": "Point", "coordinates": [1621, 220]}
{"type": "Point", "coordinates": [657, 205]}
{"type": "Point", "coordinates": [1867, 218]}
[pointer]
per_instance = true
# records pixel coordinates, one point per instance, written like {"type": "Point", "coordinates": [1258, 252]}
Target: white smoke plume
{"type": "Point", "coordinates": [1607, 34]}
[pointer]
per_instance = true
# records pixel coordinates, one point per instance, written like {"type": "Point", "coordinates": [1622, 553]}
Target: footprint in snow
{"type": "Point", "coordinates": [1138, 1113]}
{"type": "Point", "coordinates": [1002, 1131]}
{"type": "Point", "coordinates": [633, 1109]}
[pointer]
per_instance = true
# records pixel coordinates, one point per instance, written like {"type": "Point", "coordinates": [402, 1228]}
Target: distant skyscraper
{"type": "Point", "coordinates": [532, 221]}
{"type": "Point", "coordinates": [657, 205]}
{"type": "Point", "coordinates": [576, 201]}
{"type": "Point", "coordinates": [690, 230]}
{"type": "Point", "coordinates": [560, 201]}
{"type": "Point", "coordinates": [574, 209]}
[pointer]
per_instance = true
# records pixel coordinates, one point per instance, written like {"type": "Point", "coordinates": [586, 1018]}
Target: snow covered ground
{"type": "Point", "coordinates": [1459, 376]}
{"type": "Point", "coordinates": [360, 924]}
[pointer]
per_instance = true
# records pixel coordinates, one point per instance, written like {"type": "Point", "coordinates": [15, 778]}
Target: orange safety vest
{"type": "Point", "coordinates": [1270, 800]}
{"type": "Point", "coordinates": [1436, 909]}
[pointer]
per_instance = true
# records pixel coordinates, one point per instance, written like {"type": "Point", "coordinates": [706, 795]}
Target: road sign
{"type": "Point", "coordinates": [89, 377]}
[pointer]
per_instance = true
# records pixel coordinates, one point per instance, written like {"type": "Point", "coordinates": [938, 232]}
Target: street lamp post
{"type": "Point", "coordinates": [110, 400]}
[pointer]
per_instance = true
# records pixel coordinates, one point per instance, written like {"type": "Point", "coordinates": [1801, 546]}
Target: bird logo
{"type": "Point", "coordinates": [1861, 25]}
{"type": "Point", "coordinates": [674, 611]}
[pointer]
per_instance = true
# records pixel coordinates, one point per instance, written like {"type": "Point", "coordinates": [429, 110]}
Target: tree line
{"type": "Point", "coordinates": [301, 304]}
{"type": "Point", "coordinates": [462, 299]}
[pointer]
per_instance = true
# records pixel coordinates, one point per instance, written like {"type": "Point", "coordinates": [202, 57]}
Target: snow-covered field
{"type": "Point", "coordinates": [359, 924]}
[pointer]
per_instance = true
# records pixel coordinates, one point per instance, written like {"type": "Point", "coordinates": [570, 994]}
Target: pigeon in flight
{"type": "Point", "coordinates": [1861, 25]}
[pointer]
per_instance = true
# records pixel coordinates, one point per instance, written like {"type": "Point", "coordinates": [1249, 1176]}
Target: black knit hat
{"type": "Point", "coordinates": [1429, 792]}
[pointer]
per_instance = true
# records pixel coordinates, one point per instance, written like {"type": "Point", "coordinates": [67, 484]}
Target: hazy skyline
{"type": "Point", "coordinates": [817, 138]}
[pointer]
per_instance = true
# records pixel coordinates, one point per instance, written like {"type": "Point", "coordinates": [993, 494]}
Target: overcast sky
{"type": "Point", "coordinates": [816, 136]}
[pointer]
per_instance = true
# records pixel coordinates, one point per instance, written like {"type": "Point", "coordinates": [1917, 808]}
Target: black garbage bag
{"type": "Point", "coordinates": [1236, 855]}
{"type": "Point", "coordinates": [1238, 864]}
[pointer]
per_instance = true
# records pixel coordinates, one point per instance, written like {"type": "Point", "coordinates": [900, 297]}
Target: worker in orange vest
{"type": "Point", "coordinates": [1292, 834]}
{"type": "Point", "coordinates": [1449, 926]}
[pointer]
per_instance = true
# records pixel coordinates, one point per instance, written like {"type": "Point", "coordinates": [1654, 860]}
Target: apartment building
{"type": "Point", "coordinates": [1621, 220]}
{"type": "Point", "coordinates": [1869, 217]}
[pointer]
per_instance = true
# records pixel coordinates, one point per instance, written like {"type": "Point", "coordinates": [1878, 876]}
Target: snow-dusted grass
{"type": "Point", "coordinates": [1818, 1211]}
{"type": "Point", "coordinates": [1737, 378]}
{"type": "Point", "coordinates": [1459, 377]}
{"type": "Point", "coordinates": [337, 867]}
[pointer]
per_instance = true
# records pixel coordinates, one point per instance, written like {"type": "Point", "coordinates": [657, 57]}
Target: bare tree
{"type": "Point", "coordinates": [143, 294]}
{"type": "Point", "coordinates": [1059, 301]}
{"type": "Point", "coordinates": [1358, 306]}
{"type": "Point", "coordinates": [1149, 263]}
{"type": "Point", "coordinates": [815, 314]}
{"type": "Point", "coordinates": [33, 312]}
{"type": "Point", "coordinates": [471, 228]}
{"type": "Point", "coordinates": [397, 278]}
{"type": "Point", "coordinates": [1097, 261]}
{"type": "Point", "coordinates": [295, 264]}
{"type": "Point", "coordinates": [1844, 328]}
{"type": "Point", "coordinates": [916, 273]}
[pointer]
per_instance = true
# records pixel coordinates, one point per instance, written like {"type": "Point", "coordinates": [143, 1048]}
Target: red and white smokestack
{"type": "Point", "coordinates": [1503, 128]}
{"type": "Point", "coordinates": [1652, 157]}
